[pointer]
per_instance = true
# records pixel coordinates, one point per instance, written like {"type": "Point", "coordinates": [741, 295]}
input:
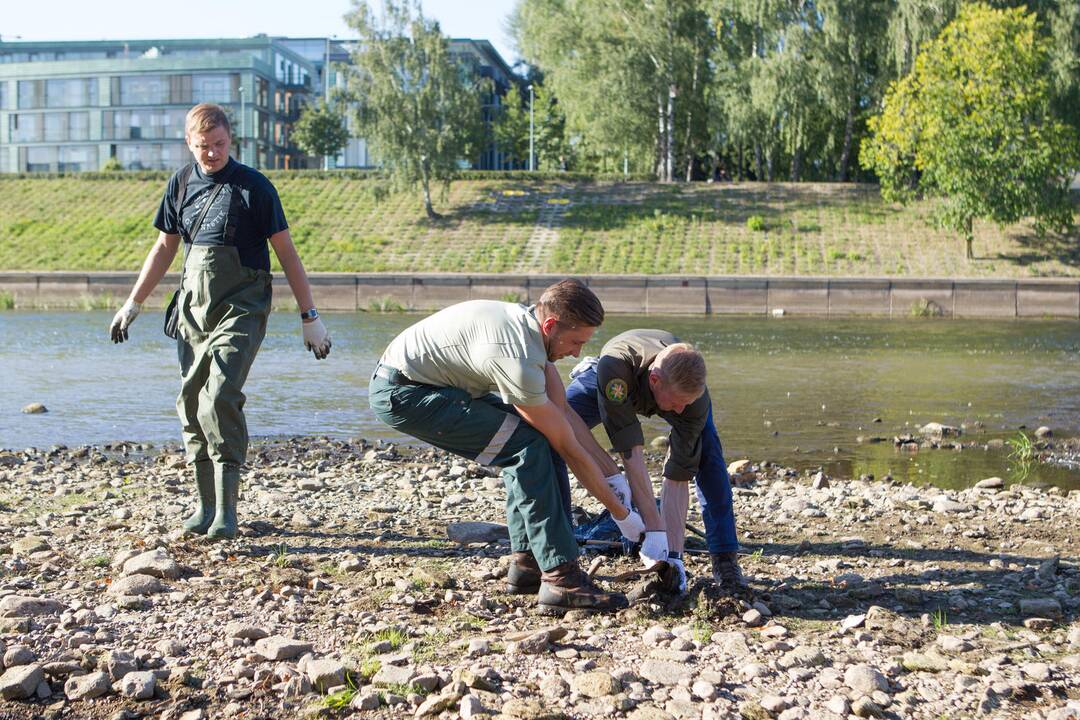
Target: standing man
{"type": "Point", "coordinates": [463, 380]}
{"type": "Point", "coordinates": [225, 213]}
{"type": "Point", "coordinates": [649, 372]}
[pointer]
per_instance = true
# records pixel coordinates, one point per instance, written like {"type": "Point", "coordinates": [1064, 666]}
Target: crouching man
{"type": "Point", "coordinates": [649, 372]}
{"type": "Point", "coordinates": [472, 379]}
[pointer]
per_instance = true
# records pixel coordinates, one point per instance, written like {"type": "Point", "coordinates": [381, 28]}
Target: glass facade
{"type": "Point", "coordinates": [71, 92]}
{"type": "Point", "coordinates": [151, 156]}
{"type": "Point", "coordinates": [144, 90]}
{"type": "Point", "coordinates": [148, 124]}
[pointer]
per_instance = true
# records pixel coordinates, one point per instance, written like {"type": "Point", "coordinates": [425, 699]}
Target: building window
{"type": "Point", "coordinates": [78, 126]}
{"type": "Point", "coordinates": [262, 92]}
{"type": "Point", "coordinates": [77, 158]}
{"type": "Point", "coordinates": [40, 159]}
{"type": "Point", "coordinates": [73, 92]}
{"type": "Point", "coordinates": [151, 156]}
{"type": "Point", "coordinates": [144, 90]}
{"type": "Point", "coordinates": [3, 94]}
{"type": "Point", "coordinates": [219, 88]}
{"type": "Point", "coordinates": [25, 127]}
{"type": "Point", "coordinates": [31, 94]}
{"type": "Point", "coordinates": [150, 124]}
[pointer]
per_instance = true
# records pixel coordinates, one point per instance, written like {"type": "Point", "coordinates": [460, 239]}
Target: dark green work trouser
{"type": "Point", "coordinates": [487, 431]}
{"type": "Point", "coordinates": [223, 311]}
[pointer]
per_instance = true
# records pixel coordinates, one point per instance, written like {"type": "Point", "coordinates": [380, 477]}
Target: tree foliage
{"type": "Point", "coordinates": [767, 89]}
{"type": "Point", "coordinates": [320, 130]}
{"type": "Point", "coordinates": [972, 124]}
{"type": "Point", "coordinates": [550, 146]}
{"type": "Point", "coordinates": [419, 107]}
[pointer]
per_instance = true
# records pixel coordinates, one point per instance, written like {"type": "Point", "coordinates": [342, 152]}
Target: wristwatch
{"type": "Point", "coordinates": [311, 314]}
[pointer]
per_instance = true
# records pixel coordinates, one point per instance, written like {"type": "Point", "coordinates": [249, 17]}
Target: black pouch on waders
{"type": "Point", "coordinates": [172, 312]}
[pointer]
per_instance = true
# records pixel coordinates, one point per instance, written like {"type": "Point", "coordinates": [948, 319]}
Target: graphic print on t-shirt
{"type": "Point", "coordinates": [212, 231]}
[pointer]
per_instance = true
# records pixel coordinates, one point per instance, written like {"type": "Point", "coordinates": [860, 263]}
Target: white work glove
{"type": "Point", "coordinates": [676, 565]}
{"type": "Point", "coordinates": [316, 339]}
{"type": "Point", "coordinates": [655, 548]}
{"type": "Point", "coordinates": [123, 318]}
{"type": "Point", "coordinates": [621, 487]}
{"type": "Point", "coordinates": [631, 526]}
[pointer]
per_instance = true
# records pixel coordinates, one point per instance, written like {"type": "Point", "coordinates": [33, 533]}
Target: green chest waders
{"type": "Point", "coordinates": [223, 309]}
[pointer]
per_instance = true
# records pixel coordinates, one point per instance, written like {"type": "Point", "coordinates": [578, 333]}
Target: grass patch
{"type": "Point", "coordinates": [7, 300]}
{"type": "Point", "coordinates": [940, 619]}
{"type": "Point", "coordinates": [280, 555]}
{"type": "Point", "coordinates": [1022, 455]}
{"type": "Point", "coordinates": [755, 223]}
{"type": "Point", "coordinates": [385, 305]}
{"type": "Point", "coordinates": [342, 699]}
{"type": "Point", "coordinates": [98, 561]}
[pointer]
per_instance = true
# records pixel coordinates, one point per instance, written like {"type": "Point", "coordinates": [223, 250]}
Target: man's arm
{"type": "Point", "coordinates": [641, 487]}
{"type": "Point", "coordinates": [556, 393]}
{"type": "Point", "coordinates": [155, 266]}
{"type": "Point", "coordinates": [550, 420]}
{"type": "Point", "coordinates": [294, 269]}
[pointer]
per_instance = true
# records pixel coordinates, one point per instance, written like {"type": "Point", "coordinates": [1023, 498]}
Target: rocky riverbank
{"type": "Point", "coordinates": [344, 597]}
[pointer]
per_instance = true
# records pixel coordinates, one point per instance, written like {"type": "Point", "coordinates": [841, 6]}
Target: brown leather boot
{"type": "Point", "coordinates": [568, 587]}
{"type": "Point", "coordinates": [523, 574]}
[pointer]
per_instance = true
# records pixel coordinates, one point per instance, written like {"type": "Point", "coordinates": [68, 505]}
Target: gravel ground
{"type": "Point", "coordinates": [344, 597]}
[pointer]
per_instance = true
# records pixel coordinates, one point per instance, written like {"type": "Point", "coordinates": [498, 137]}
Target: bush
{"type": "Point", "coordinates": [112, 165]}
{"type": "Point", "coordinates": [755, 223]}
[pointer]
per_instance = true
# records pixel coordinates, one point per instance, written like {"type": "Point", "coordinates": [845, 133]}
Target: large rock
{"type": "Point", "coordinates": [155, 563]}
{"type": "Point", "coordinates": [18, 655]}
{"type": "Point", "coordinates": [87, 687]}
{"type": "Point", "coordinates": [247, 631]}
{"type": "Point", "coordinates": [664, 672]}
{"type": "Point", "coordinates": [28, 545]}
{"type": "Point", "coordinates": [464, 533]}
{"type": "Point", "coordinates": [943, 504]}
{"type": "Point", "coordinates": [26, 606]}
{"type": "Point", "coordinates": [393, 675]}
{"type": "Point", "coordinates": [20, 683]}
{"type": "Point", "coordinates": [1040, 607]}
{"type": "Point", "coordinates": [801, 657]}
{"type": "Point", "coordinates": [138, 685]}
{"type": "Point", "coordinates": [277, 647]}
{"type": "Point", "coordinates": [119, 663]}
{"type": "Point", "coordinates": [137, 585]}
{"type": "Point", "coordinates": [326, 673]}
{"type": "Point", "coordinates": [864, 679]}
{"type": "Point", "coordinates": [529, 709]}
{"type": "Point", "coordinates": [991, 483]}
{"type": "Point", "coordinates": [595, 684]}
{"type": "Point", "coordinates": [937, 431]}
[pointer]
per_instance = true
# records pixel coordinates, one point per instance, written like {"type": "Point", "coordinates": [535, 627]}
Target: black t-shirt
{"type": "Point", "coordinates": [259, 215]}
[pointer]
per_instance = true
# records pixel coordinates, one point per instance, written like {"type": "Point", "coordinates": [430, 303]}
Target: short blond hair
{"type": "Point", "coordinates": [681, 367]}
{"type": "Point", "coordinates": [204, 117]}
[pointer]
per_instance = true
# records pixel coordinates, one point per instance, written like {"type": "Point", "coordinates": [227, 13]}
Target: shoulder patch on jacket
{"type": "Point", "coordinates": [616, 390]}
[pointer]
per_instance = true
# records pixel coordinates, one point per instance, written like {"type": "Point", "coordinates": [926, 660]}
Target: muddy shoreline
{"type": "Point", "coordinates": [344, 597]}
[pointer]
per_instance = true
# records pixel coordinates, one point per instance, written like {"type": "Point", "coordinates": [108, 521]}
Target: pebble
{"type": "Point", "coordinates": [88, 687]}
{"type": "Point", "coordinates": [139, 685]}
{"type": "Point", "coordinates": [864, 679]}
{"type": "Point", "coordinates": [597, 683]}
{"type": "Point", "coordinates": [155, 563]}
{"type": "Point", "coordinates": [277, 647]}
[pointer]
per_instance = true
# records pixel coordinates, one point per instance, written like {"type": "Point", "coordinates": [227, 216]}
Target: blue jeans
{"type": "Point", "coordinates": [713, 483]}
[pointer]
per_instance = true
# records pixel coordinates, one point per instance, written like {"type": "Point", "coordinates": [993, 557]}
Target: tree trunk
{"type": "Point", "coordinates": [759, 172]}
{"type": "Point", "coordinates": [769, 164]}
{"type": "Point", "coordinates": [968, 239]}
{"type": "Point", "coordinates": [669, 164]}
{"type": "Point", "coordinates": [742, 158]}
{"type": "Point", "coordinates": [425, 182]}
{"type": "Point", "coordinates": [845, 154]}
{"type": "Point", "coordinates": [796, 165]}
{"type": "Point", "coordinates": [661, 138]}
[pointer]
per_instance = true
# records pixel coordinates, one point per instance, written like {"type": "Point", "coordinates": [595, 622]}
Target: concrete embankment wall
{"type": "Point", "coordinates": [657, 294]}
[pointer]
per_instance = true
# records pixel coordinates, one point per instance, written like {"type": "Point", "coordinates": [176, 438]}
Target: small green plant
{"type": "Point", "coordinates": [7, 300]}
{"type": "Point", "coordinates": [98, 561]}
{"type": "Point", "coordinates": [702, 631]}
{"type": "Point", "coordinates": [1022, 454]}
{"type": "Point", "coordinates": [280, 556]}
{"type": "Point", "coordinates": [111, 165]}
{"type": "Point", "coordinates": [755, 223]}
{"type": "Point", "coordinates": [940, 619]}
{"type": "Point", "coordinates": [925, 308]}
{"type": "Point", "coordinates": [104, 301]}
{"type": "Point", "coordinates": [343, 698]}
{"type": "Point", "coordinates": [395, 636]}
{"type": "Point", "coordinates": [385, 305]}
{"type": "Point", "coordinates": [369, 667]}
{"type": "Point", "coordinates": [512, 297]}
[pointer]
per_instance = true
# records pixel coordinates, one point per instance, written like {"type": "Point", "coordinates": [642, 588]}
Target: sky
{"type": "Point", "coordinates": [131, 19]}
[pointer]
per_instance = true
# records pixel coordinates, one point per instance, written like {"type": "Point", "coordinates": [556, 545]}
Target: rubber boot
{"type": "Point", "coordinates": [567, 587]}
{"type": "Point", "coordinates": [227, 488]}
{"type": "Point", "coordinates": [523, 574]}
{"type": "Point", "coordinates": [198, 522]}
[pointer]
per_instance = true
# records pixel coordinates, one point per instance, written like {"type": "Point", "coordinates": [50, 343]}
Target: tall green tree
{"type": "Point", "coordinates": [550, 146]}
{"type": "Point", "coordinates": [320, 130]}
{"type": "Point", "coordinates": [972, 125]}
{"type": "Point", "coordinates": [417, 105]}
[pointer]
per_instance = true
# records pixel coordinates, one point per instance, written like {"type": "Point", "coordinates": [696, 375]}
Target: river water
{"type": "Point", "coordinates": [794, 391]}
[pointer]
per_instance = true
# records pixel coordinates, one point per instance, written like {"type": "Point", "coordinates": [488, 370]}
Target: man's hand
{"type": "Point", "coordinates": [655, 548]}
{"type": "Point", "coordinates": [674, 577]}
{"type": "Point", "coordinates": [316, 338]}
{"type": "Point", "coordinates": [621, 487]}
{"type": "Point", "coordinates": [632, 526]}
{"type": "Point", "coordinates": [118, 330]}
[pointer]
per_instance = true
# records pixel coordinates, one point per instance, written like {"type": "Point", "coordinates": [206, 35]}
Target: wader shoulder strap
{"type": "Point", "coordinates": [232, 220]}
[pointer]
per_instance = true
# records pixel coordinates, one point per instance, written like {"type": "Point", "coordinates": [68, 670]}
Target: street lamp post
{"type": "Point", "coordinates": [326, 93]}
{"type": "Point", "coordinates": [532, 163]}
{"type": "Point", "coordinates": [243, 122]}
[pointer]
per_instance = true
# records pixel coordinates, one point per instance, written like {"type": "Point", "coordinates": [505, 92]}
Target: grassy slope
{"type": "Point", "coordinates": [342, 224]}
